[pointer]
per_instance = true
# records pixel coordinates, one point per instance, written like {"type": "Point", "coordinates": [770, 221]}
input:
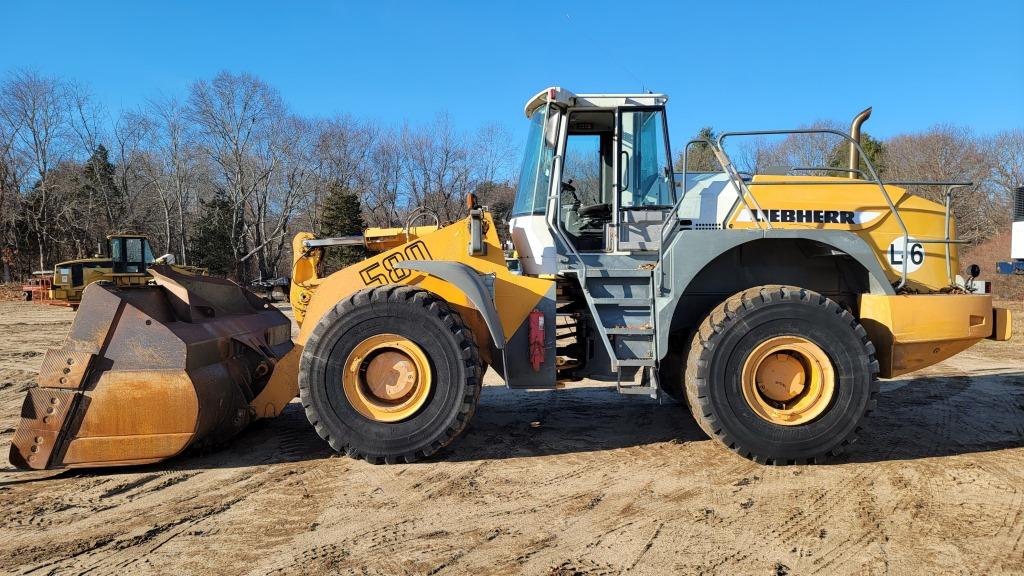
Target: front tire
{"type": "Point", "coordinates": [781, 375]}
{"type": "Point", "coordinates": [391, 374]}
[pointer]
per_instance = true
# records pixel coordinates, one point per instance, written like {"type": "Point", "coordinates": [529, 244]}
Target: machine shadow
{"type": "Point", "coordinates": [935, 416]}
{"type": "Point", "coordinates": [916, 418]}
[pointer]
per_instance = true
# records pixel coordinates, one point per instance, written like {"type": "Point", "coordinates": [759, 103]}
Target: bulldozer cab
{"type": "Point", "coordinates": [130, 254]}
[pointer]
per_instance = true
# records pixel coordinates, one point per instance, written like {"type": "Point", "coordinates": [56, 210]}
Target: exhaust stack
{"type": "Point", "coordinates": [855, 134]}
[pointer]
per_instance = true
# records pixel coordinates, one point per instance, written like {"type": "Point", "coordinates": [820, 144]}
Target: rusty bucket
{"type": "Point", "coordinates": [148, 371]}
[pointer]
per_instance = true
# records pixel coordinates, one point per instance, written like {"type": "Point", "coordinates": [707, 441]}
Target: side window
{"type": "Point", "coordinates": [646, 170]}
{"type": "Point", "coordinates": [117, 249]}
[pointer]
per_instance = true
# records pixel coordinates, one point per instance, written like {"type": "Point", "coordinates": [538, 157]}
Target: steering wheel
{"type": "Point", "coordinates": [598, 211]}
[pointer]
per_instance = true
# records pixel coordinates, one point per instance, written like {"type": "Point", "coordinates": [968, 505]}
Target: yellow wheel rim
{"type": "Point", "coordinates": [387, 378]}
{"type": "Point", "coordinates": [788, 380]}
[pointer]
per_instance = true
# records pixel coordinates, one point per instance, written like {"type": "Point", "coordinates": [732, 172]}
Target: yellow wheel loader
{"type": "Point", "coordinates": [769, 304]}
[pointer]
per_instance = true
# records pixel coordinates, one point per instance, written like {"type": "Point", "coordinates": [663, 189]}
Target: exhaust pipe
{"type": "Point", "coordinates": [855, 134]}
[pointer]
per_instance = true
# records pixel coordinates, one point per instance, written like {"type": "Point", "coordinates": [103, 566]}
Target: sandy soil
{"type": "Point", "coordinates": [577, 481]}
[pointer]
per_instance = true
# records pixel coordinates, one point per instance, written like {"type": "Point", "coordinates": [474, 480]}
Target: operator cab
{"type": "Point", "coordinates": [130, 254]}
{"type": "Point", "coordinates": [596, 166]}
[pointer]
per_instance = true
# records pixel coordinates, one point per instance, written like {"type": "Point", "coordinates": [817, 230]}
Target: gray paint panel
{"type": "Point", "coordinates": [691, 250]}
{"type": "Point", "coordinates": [519, 372]}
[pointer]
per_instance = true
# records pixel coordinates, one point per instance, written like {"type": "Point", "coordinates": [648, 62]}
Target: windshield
{"type": "Point", "coordinates": [535, 172]}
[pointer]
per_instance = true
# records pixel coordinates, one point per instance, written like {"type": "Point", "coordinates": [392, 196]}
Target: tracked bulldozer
{"type": "Point", "coordinates": [126, 263]}
{"type": "Point", "coordinates": [768, 304]}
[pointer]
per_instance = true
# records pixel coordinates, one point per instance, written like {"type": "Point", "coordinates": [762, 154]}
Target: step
{"type": "Point", "coordinates": [644, 302]}
{"type": "Point", "coordinates": [636, 362]}
{"type": "Point", "coordinates": [630, 330]}
{"type": "Point", "coordinates": [645, 390]}
{"type": "Point", "coordinates": [618, 273]}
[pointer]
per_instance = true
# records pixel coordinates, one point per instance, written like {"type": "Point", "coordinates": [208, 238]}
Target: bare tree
{"type": "Point", "coordinates": [235, 116]}
{"type": "Point", "coordinates": [383, 180]}
{"type": "Point", "coordinates": [438, 171]}
{"type": "Point", "coordinates": [493, 153]}
{"type": "Point", "coordinates": [948, 153]}
{"type": "Point", "coordinates": [343, 157]}
{"type": "Point", "coordinates": [292, 148]}
{"type": "Point", "coordinates": [10, 186]}
{"type": "Point", "coordinates": [179, 166]}
{"type": "Point", "coordinates": [34, 110]}
{"type": "Point", "coordinates": [1006, 154]}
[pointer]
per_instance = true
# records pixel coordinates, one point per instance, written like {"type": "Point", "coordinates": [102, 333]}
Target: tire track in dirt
{"type": "Point", "coordinates": [602, 484]}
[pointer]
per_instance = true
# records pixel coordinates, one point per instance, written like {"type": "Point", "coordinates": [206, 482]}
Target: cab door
{"type": "Point", "coordinates": [645, 189]}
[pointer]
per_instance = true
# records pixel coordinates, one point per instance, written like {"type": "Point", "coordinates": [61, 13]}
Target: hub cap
{"type": "Point", "coordinates": [788, 380]}
{"type": "Point", "coordinates": [387, 378]}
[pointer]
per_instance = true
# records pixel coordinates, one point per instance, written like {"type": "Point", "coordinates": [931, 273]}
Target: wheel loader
{"type": "Point", "coordinates": [768, 304]}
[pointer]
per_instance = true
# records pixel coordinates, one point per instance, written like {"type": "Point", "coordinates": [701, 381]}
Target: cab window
{"type": "Point", "coordinates": [587, 179]}
{"type": "Point", "coordinates": [647, 174]}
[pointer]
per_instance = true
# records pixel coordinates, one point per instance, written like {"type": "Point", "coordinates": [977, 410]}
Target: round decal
{"type": "Point", "coordinates": [899, 253]}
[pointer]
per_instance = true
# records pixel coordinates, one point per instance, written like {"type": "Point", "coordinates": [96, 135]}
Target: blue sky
{"type": "Point", "coordinates": [732, 65]}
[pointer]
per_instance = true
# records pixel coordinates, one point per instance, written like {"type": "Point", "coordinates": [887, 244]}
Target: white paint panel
{"type": "Point", "coordinates": [533, 242]}
{"type": "Point", "coordinates": [1017, 241]}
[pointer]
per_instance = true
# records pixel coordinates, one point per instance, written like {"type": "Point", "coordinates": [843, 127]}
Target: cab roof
{"type": "Point", "coordinates": [567, 98]}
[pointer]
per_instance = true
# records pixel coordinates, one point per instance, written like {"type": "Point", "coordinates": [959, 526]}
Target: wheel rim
{"type": "Point", "coordinates": [387, 378]}
{"type": "Point", "coordinates": [788, 380]}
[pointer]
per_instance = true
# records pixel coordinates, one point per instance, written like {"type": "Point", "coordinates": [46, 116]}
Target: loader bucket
{"type": "Point", "coordinates": [148, 371]}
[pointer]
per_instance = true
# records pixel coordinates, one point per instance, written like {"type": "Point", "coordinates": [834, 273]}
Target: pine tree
{"type": "Point", "coordinates": [342, 216]}
{"type": "Point", "coordinates": [700, 157]}
{"type": "Point", "coordinates": [874, 150]}
{"type": "Point", "coordinates": [99, 185]}
{"type": "Point", "coordinates": [210, 242]}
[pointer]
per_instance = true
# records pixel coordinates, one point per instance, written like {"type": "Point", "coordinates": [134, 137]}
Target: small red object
{"type": "Point", "coordinates": [536, 339]}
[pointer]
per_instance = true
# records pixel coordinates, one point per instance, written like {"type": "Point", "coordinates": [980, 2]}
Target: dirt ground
{"type": "Point", "coordinates": [576, 481]}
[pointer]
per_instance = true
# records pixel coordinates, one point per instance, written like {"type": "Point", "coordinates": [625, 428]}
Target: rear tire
{"type": "Point", "coordinates": [732, 333]}
{"type": "Point", "coordinates": [419, 317]}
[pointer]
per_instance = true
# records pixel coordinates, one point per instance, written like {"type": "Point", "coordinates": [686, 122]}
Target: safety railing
{"type": "Point", "coordinates": [749, 200]}
{"type": "Point", "coordinates": [554, 219]}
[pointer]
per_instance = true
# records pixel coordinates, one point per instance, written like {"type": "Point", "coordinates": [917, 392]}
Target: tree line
{"type": "Point", "coordinates": [221, 176]}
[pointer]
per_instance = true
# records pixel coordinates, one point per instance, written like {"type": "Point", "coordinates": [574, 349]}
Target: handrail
{"type": "Point", "coordinates": [554, 218]}
{"type": "Point", "coordinates": [872, 177]}
{"type": "Point", "coordinates": [671, 222]}
{"type": "Point", "coordinates": [867, 162]}
{"type": "Point", "coordinates": [741, 186]}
